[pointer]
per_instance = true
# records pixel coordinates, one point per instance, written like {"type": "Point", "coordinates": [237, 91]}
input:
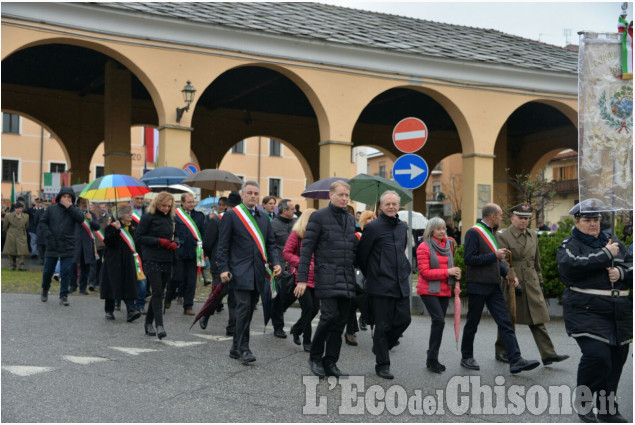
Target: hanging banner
{"type": "Point", "coordinates": [605, 123]}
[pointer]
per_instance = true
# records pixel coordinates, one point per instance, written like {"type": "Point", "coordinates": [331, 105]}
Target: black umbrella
{"type": "Point", "coordinates": [212, 302]}
{"type": "Point", "coordinates": [321, 188]}
{"type": "Point", "coordinates": [267, 301]}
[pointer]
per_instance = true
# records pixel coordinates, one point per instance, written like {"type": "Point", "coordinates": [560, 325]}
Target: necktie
{"type": "Point", "coordinates": [253, 212]}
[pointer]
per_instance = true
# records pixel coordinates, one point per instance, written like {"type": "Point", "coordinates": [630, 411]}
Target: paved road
{"type": "Point", "coordinates": [100, 371]}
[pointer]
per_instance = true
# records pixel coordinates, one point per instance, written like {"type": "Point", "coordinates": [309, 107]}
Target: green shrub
{"type": "Point", "coordinates": [548, 244]}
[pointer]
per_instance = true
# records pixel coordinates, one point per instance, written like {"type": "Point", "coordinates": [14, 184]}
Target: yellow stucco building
{"type": "Point", "coordinates": [320, 79]}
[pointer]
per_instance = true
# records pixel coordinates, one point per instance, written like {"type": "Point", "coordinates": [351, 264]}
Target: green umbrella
{"type": "Point", "coordinates": [367, 189]}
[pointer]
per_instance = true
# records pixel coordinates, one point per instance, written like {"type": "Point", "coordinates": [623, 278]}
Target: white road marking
{"type": "Point", "coordinates": [84, 360]}
{"type": "Point", "coordinates": [214, 337]}
{"type": "Point", "coordinates": [26, 370]}
{"type": "Point", "coordinates": [134, 351]}
{"type": "Point", "coordinates": [181, 343]}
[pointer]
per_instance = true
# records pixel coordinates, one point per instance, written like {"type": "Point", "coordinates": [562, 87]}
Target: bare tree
{"type": "Point", "coordinates": [535, 191]}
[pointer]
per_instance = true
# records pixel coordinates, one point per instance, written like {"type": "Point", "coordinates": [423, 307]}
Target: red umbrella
{"type": "Point", "coordinates": [212, 302]}
{"type": "Point", "coordinates": [457, 312]}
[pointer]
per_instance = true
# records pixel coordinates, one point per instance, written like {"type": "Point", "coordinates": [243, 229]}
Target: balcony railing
{"type": "Point", "coordinates": [566, 186]}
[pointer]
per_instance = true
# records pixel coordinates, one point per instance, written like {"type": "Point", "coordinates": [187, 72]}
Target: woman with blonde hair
{"type": "Point", "coordinates": [437, 275]}
{"type": "Point", "coordinates": [309, 303]}
{"type": "Point", "coordinates": [155, 235]}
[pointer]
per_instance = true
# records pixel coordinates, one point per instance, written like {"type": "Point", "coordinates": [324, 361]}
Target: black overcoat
{"type": "Point", "coordinates": [118, 278]}
{"type": "Point", "coordinates": [84, 243]}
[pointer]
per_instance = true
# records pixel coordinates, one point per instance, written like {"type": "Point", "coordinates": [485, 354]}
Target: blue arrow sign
{"type": "Point", "coordinates": [410, 171]}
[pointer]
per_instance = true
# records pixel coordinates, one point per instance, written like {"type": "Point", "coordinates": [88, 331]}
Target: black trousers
{"type": "Point", "coordinates": [310, 306]}
{"type": "Point", "coordinates": [245, 303]}
{"type": "Point", "coordinates": [231, 310]}
{"type": "Point", "coordinates": [109, 305]}
{"type": "Point", "coordinates": [392, 318]}
{"type": "Point", "coordinates": [496, 306]}
{"type": "Point", "coordinates": [351, 324]}
{"type": "Point", "coordinates": [277, 312]}
{"type": "Point", "coordinates": [327, 340]}
{"type": "Point", "coordinates": [437, 307]}
{"type": "Point", "coordinates": [601, 366]}
{"type": "Point", "coordinates": [158, 282]}
{"type": "Point", "coordinates": [183, 281]}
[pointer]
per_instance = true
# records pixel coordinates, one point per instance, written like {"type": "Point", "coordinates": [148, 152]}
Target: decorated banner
{"type": "Point", "coordinates": [53, 182]}
{"type": "Point", "coordinates": [605, 127]}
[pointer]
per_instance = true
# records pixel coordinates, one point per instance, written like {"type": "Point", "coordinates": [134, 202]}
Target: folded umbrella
{"type": "Point", "coordinates": [212, 302]}
{"type": "Point", "coordinates": [511, 290]}
{"type": "Point", "coordinates": [320, 189]}
{"type": "Point", "coordinates": [457, 312]}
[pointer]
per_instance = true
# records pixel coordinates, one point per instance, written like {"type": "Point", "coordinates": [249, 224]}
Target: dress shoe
{"type": "Point", "coordinates": [350, 339]}
{"type": "Point", "coordinates": [385, 373]}
{"type": "Point", "coordinates": [189, 312]}
{"type": "Point", "coordinates": [45, 295]}
{"type": "Point", "coordinates": [551, 359]}
{"type": "Point", "coordinates": [615, 418]}
{"type": "Point", "coordinates": [91, 288]}
{"type": "Point", "coordinates": [64, 301]}
{"type": "Point", "coordinates": [167, 304]}
{"type": "Point", "coordinates": [502, 358]}
{"type": "Point", "coordinates": [362, 325]}
{"type": "Point", "coordinates": [150, 329]}
{"type": "Point", "coordinates": [588, 417]}
{"type": "Point", "coordinates": [161, 332]}
{"type": "Point", "coordinates": [207, 282]}
{"type": "Point", "coordinates": [220, 308]}
{"type": "Point", "coordinates": [316, 368]}
{"type": "Point", "coordinates": [133, 315]}
{"type": "Point", "coordinates": [110, 316]}
{"type": "Point", "coordinates": [234, 354]}
{"type": "Point", "coordinates": [435, 366]}
{"type": "Point", "coordinates": [333, 370]}
{"type": "Point", "coordinates": [521, 365]}
{"type": "Point", "coordinates": [56, 276]}
{"type": "Point", "coordinates": [307, 347]}
{"type": "Point", "coordinates": [203, 322]}
{"type": "Point", "coordinates": [296, 338]}
{"type": "Point", "coordinates": [279, 333]}
{"type": "Point", "coordinates": [470, 364]}
{"type": "Point", "coordinates": [179, 300]}
{"type": "Point", "coordinates": [247, 357]}
{"type": "Point", "coordinates": [229, 333]}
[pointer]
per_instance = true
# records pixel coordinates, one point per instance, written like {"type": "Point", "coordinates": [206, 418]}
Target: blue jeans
{"type": "Point", "coordinates": [33, 243]}
{"type": "Point", "coordinates": [65, 266]}
{"type": "Point", "coordinates": [142, 286]}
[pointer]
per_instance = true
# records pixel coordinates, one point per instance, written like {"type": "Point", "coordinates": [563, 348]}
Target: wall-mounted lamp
{"type": "Point", "coordinates": [188, 96]}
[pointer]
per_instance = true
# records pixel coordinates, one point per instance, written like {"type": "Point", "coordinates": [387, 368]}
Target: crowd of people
{"type": "Point", "coordinates": [338, 264]}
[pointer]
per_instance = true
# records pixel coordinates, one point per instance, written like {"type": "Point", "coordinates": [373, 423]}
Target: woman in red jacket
{"type": "Point", "coordinates": [437, 275]}
{"type": "Point", "coordinates": [308, 301]}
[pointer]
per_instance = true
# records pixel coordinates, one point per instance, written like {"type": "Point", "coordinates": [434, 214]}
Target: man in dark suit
{"type": "Point", "coordinates": [483, 259]}
{"type": "Point", "coordinates": [246, 246]}
{"type": "Point", "coordinates": [189, 224]}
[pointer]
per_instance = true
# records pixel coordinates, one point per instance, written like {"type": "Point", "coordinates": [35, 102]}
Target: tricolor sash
{"type": "Point", "coordinates": [359, 235]}
{"type": "Point", "coordinates": [136, 217]}
{"type": "Point", "coordinates": [485, 233]}
{"type": "Point", "coordinates": [86, 226]}
{"type": "Point", "coordinates": [100, 235]}
{"type": "Point", "coordinates": [127, 238]}
{"type": "Point", "coordinates": [254, 230]}
{"type": "Point", "coordinates": [193, 228]}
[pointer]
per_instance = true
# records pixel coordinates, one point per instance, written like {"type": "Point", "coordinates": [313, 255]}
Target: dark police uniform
{"type": "Point", "coordinates": [597, 313]}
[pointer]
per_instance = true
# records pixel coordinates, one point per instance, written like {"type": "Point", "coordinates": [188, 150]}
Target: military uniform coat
{"type": "Point", "coordinates": [16, 242]}
{"type": "Point", "coordinates": [531, 308]}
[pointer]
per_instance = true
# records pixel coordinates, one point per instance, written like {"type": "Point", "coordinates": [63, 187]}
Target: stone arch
{"type": "Point", "coordinates": [101, 48]}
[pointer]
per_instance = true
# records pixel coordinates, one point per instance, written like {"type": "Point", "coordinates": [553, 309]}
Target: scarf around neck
{"type": "Point", "coordinates": [434, 286]}
{"type": "Point", "coordinates": [589, 240]}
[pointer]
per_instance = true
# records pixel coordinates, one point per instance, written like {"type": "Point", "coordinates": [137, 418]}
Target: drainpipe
{"type": "Point", "coordinates": [259, 159]}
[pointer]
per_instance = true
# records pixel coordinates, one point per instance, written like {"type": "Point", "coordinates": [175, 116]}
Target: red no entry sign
{"type": "Point", "coordinates": [410, 134]}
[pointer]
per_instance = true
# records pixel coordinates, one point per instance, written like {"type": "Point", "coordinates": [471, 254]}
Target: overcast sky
{"type": "Point", "coordinates": [543, 21]}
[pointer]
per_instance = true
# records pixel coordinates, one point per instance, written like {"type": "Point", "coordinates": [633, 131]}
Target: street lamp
{"type": "Point", "coordinates": [188, 96]}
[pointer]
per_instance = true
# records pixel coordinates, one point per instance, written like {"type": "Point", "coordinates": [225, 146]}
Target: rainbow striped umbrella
{"type": "Point", "coordinates": [114, 187]}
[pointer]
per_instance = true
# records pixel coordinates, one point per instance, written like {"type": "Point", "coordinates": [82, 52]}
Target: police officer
{"type": "Point", "coordinates": [531, 308]}
{"type": "Point", "coordinates": [598, 311]}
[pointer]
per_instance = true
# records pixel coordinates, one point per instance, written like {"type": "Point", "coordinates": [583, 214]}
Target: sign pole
{"type": "Point", "coordinates": [409, 238]}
